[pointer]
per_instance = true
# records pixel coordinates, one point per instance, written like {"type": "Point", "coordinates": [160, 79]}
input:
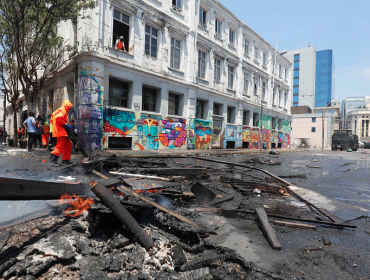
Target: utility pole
{"type": "Point", "coordinates": [322, 129]}
{"type": "Point", "coordinates": [4, 116]}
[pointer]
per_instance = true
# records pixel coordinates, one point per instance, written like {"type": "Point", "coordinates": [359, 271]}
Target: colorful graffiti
{"type": "Point", "coordinates": [255, 135]}
{"type": "Point", "coordinates": [173, 133]}
{"type": "Point", "coordinates": [229, 135]}
{"type": "Point", "coordinates": [117, 121]}
{"type": "Point", "coordinates": [148, 130]}
{"type": "Point", "coordinates": [266, 137]}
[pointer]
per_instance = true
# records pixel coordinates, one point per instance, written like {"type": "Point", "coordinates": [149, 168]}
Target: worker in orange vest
{"type": "Point", "coordinates": [45, 136]}
{"type": "Point", "coordinates": [20, 132]}
{"type": "Point", "coordinates": [120, 45]}
{"type": "Point", "coordinates": [59, 120]}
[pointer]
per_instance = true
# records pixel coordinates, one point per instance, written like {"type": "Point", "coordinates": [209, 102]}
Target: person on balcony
{"type": "Point", "coordinates": [120, 45]}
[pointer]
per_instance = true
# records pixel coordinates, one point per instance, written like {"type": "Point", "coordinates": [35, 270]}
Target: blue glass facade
{"type": "Point", "coordinates": [324, 78]}
{"type": "Point", "coordinates": [296, 80]}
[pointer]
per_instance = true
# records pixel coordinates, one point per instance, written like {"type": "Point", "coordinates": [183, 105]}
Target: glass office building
{"type": "Point", "coordinates": [324, 79]}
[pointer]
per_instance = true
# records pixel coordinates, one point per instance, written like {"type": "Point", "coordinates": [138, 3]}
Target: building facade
{"type": "Point", "coordinates": [192, 76]}
{"type": "Point", "coordinates": [313, 77]}
{"type": "Point", "coordinates": [358, 122]}
{"type": "Point", "coordinates": [350, 104]}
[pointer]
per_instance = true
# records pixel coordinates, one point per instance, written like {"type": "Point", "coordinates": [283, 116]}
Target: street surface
{"type": "Point", "coordinates": [336, 181]}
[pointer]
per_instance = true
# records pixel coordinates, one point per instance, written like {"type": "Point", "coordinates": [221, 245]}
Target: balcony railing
{"type": "Point", "coordinates": [203, 25]}
{"type": "Point", "coordinates": [218, 35]}
{"type": "Point", "coordinates": [177, 9]}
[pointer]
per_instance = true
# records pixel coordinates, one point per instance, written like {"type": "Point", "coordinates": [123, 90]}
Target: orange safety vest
{"type": "Point", "coordinates": [120, 45]}
{"type": "Point", "coordinates": [59, 118]}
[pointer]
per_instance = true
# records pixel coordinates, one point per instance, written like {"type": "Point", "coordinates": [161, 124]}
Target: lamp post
{"type": "Point", "coordinates": [261, 117]}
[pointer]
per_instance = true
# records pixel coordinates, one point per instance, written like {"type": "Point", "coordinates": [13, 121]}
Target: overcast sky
{"type": "Point", "coordinates": [343, 26]}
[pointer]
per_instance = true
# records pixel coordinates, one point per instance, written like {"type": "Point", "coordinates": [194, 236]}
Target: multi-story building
{"type": "Point", "coordinates": [192, 76]}
{"type": "Point", "coordinates": [358, 122]}
{"type": "Point", "coordinates": [350, 104]}
{"type": "Point", "coordinates": [313, 77]}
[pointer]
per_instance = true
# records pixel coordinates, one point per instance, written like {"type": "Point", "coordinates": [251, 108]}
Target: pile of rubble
{"type": "Point", "coordinates": [147, 224]}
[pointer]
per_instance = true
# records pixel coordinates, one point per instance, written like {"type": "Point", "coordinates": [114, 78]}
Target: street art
{"type": "Point", "coordinates": [255, 135]}
{"type": "Point", "coordinates": [203, 134]}
{"type": "Point", "coordinates": [118, 121]}
{"type": "Point", "coordinates": [148, 130]}
{"type": "Point", "coordinates": [266, 137]}
{"type": "Point", "coordinates": [173, 133]}
{"type": "Point", "coordinates": [229, 134]}
{"type": "Point", "coordinates": [274, 137]}
{"type": "Point", "coordinates": [246, 134]}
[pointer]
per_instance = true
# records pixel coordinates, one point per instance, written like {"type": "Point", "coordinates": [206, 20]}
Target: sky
{"type": "Point", "coordinates": [339, 25]}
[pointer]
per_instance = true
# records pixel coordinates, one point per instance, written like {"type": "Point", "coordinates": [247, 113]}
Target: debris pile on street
{"type": "Point", "coordinates": [151, 222]}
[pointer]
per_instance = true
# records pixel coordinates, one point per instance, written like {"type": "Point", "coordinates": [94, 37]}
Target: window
{"type": "Point", "coordinates": [149, 99]}
{"type": "Point", "coordinates": [175, 54]}
{"type": "Point", "coordinates": [230, 71]}
{"type": "Point", "coordinates": [118, 93]}
{"type": "Point", "coordinates": [202, 17]}
{"type": "Point", "coordinates": [177, 5]}
{"type": "Point", "coordinates": [273, 97]}
{"type": "Point", "coordinates": [200, 109]}
{"type": "Point", "coordinates": [217, 109]}
{"type": "Point", "coordinates": [313, 129]}
{"type": "Point", "coordinates": [285, 99]}
{"type": "Point", "coordinates": [255, 52]}
{"type": "Point", "coordinates": [231, 36]}
{"type": "Point", "coordinates": [230, 114]}
{"type": "Point", "coordinates": [286, 74]}
{"type": "Point", "coordinates": [246, 46]}
{"type": "Point", "coordinates": [255, 86]}
{"type": "Point", "coordinates": [121, 27]}
{"type": "Point", "coordinates": [246, 117]}
{"type": "Point", "coordinates": [150, 41]}
{"type": "Point", "coordinates": [279, 98]}
{"type": "Point", "coordinates": [264, 58]}
{"type": "Point", "coordinates": [218, 27]}
{"type": "Point", "coordinates": [201, 64]}
{"type": "Point", "coordinates": [217, 70]}
{"type": "Point", "coordinates": [313, 119]}
{"type": "Point", "coordinates": [173, 104]}
{"type": "Point", "coordinates": [280, 70]}
{"type": "Point", "coordinates": [296, 57]}
{"type": "Point", "coordinates": [246, 83]}
{"type": "Point", "coordinates": [263, 91]}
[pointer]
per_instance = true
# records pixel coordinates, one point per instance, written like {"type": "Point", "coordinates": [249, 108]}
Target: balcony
{"type": "Point", "coordinates": [264, 66]}
{"type": "Point", "coordinates": [218, 36]}
{"type": "Point", "coordinates": [203, 25]}
{"type": "Point", "coordinates": [255, 60]}
{"type": "Point", "coordinates": [231, 44]}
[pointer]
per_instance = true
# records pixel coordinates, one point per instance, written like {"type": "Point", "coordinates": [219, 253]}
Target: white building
{"type": "Point", "coordinates": [358, 122]}
{"type": "Point", "coordinates": [2, 96]}
{"type": "Point", "coordinates": [193, 76]}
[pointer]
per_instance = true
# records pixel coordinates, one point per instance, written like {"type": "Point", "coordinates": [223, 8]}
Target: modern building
{"type": "Point", "coordinates": [192, 75]}
{"type": "Point", "coordinates": [351, 104]}
{"type": "Point", "coordinates": [313, 77]}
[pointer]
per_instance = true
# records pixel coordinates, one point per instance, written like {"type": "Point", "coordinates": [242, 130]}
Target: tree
{"type": "Point", "coordinates": [30, 28]}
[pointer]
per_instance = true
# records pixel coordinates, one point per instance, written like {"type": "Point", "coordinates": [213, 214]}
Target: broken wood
{"type": "Point", "coordinates": [293, 176]}
{"type": "Point", "coordinates": [20, 189]}
{"type": "Point", "coordinates": [180, 217]}
{"type": "Point", "coordinates": [269, 232]}
{"type": "Point", "coordinates": [99, 174]}
{"type": "Point", "coordinates": [121, 213]}
{"type": "Point", "coordinates": [313, 166]}
{"type": "Point", "coordinates": [296, 225]}
{"type": "Point", "coordinates": [140, 176]}
{"type": "Point", "coordinates": [168, 171]}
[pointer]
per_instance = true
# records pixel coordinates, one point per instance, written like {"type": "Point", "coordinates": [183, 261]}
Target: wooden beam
{"type": "Point", "coordinates": [20, 189]}
{"type": "Point", "coordinates": [180, 217]}
{"type": "Point", "coordinates": [167, 171]}
{"type": "Point", "coordinates": [269, 232]}
{"type": "Point", "coordinates": [296, 225]}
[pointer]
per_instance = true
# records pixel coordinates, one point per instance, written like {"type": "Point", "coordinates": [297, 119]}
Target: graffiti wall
{"type": "Point", "coordinates": [203, 134]}
{"type": "Point", "coordinates": [148, 132]}
{"type": "Point", "coordinates": [266, 137]}
{"type": "Point", "coordinates": [255, 137]}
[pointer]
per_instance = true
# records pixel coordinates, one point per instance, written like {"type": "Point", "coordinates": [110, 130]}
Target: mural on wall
{"type": "Point", "coordinates": [287, 126]}
{"type": "Point", "coordinates": [229, 134]}
{"type": "Point", "coordinates": [89, 111]}
{"type": "Point", "coordinates": [267, 122]}
{"type": "Point", "coordinates": [255, 137]}
{"type": "Point", "coordinates": [266, 137]}
{"type": "Point", "coordinates": [120, 122]}
{"type": "Point", "coordinates": [148, 131]}
{"type": "Point", "coordinates": [246, 134]}
{"type": "Point", "coordinates": [173, 133]}
{"type": "Point", "coordinates": [286, 140]}
{"type": "Point", "coordinates": [274, 136]}
{"type": "Point", "coordinates": [203, 134]}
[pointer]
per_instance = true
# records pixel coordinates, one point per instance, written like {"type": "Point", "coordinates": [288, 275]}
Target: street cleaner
{"type": "Point", "coordinates": [59, 120]}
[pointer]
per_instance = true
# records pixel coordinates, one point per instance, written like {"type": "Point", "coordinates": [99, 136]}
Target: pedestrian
{"type": "Point", "coordinates": [73, 129]}
{"type": "Point", "coordinates": [59, 119]}
{"type": "Point", "coordinates": [39, 132]}
{"type": "Point", "coordinates": [30, 125]}
{"type": "Point", "coordinates": [120, 45]}
{"type": "Point", "coordinates": [264, 146]}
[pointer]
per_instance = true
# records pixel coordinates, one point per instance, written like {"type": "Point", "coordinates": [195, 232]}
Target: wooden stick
{"type": "Point", "coordinates": [296, 225]}
{"type": "Point", "coordinates": [99, 174]}
{"type": "Point", "coordinates": [182, 218]}
{"type": "Point", "coordinates": [141, 176]}
{"type": "Point", "coordinates": [270, 234]}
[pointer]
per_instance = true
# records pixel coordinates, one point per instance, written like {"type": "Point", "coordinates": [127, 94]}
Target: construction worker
{"type": "Point", "coordinates": [59, 120]}
{"type": "Point", "coordinates": [20, 132]}
{"type": "Point", "coordinates": [120, 45]}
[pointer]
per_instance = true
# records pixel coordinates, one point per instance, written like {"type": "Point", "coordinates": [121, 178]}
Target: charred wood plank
{"type": "Point", "coordinates": [168, 171]}
{"type": "Point", "coordinates": [269, 232]}
{"type": "Point", "coordinates": [141, 176]}
{"type": "Point", "coordinates": [296, 225]}
{"type": "Point", "coordinates": [21, 189]}
{"type": "Point", "coordinates": [180, 217]}
{"type": "Point", "coordinates": [122, 214]}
